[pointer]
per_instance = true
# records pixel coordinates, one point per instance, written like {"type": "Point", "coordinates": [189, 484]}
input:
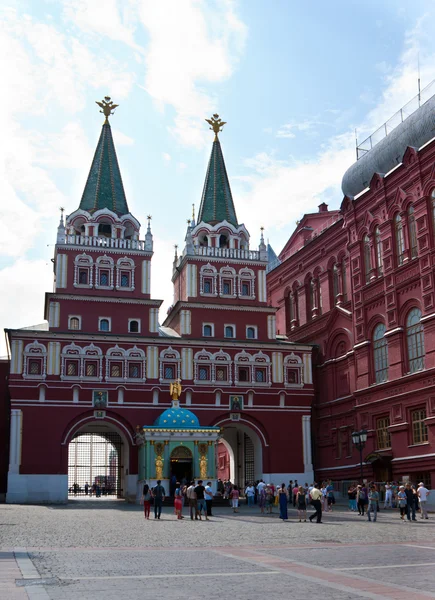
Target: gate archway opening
{"type": "Point", "coordinates": [240, 454]}
{"type": "Point", "coordinates": [97, 455]}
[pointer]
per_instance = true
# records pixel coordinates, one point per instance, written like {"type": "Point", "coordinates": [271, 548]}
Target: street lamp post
{"type": "Point", "coordinates": [359, 439]}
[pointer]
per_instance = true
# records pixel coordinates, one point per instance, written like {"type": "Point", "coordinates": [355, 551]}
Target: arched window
{"type": "Point", "coordinates": [104, 325]}
{"type": "Point", "coordinates": [415, 340]}
{"type": "Point", "coordinates": [229, 331]}
{"type": "Point", "coordinates": [133, 326]}
{"type": "Point", "coordinates": [400, 240]}
{"type": "Point", "coordinates": [412, 232]}
{"type": "Point", "coordinates": [207, 331]}
{"type": "Point", "coordinates": [74, 323]}
{"type": "Point", "coordinates": [378, 244]}
{"type": "Point", "coordinates": [335, 283]}
{"type": "Point", "coordinates": [380, 353]}
{"type": "Point", "coordinates": [344, 279]}
{"type": "Point", "coordinates": [367, 258]}
{"type": "Point", "coordinates": [251, 333]}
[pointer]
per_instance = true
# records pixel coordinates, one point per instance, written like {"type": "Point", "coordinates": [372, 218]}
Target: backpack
{"type": "Point", "coordinates": [362, 495]}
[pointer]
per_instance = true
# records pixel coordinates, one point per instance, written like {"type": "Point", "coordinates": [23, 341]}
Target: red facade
{"type": "Point", "coordinates": [359, 284]}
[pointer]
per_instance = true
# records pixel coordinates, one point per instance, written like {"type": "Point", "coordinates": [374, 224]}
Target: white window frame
{"type": "Point", "coordinates": [169, 356]}
{"type": "Point", "coordinates": [228, 273]}
{"type": "Point", "coordinates": [125, 264]}
{"type": "Point", "coordinates": [255, 328]}
{"type": "Point", "coordinates": [233, 337]}
{"type": "Point", "coordinates": [74, 317]}
{"type": "Point", "coordinates": [139, 325]}
{"type": "Point", "coordinates": [104, 263]}
{"type": "Point", "coordinates": [208, 271]}
{"type": "Point", "coordinates": [104, 319]}
{"type": "Point", "coordinates": [38, 351]}
{"type": "Point", "coordinates": [294, 362]}
{"type": "Point", "coordinates": [83, 261]}
{"type": "Point", "coordinates": [212, 330]}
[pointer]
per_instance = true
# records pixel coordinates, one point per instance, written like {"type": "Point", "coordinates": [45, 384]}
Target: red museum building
{"type": "Point", "coordinates": [358, 283]}
{"type": "Point", "coordinates": [89, 392]}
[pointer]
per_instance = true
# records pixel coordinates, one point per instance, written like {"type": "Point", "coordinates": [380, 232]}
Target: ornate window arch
{"type": "Point", "coordinates": [115, 363]}
{"type": "Point", "coordinates": [400, 239]}
{"type": "Point", "coordinates": [367, 250]}
{"type": "Point", "coordinates": [71, 362]}
{"type": "Point", "coordinates": [208, 280]}
{"type": "Point", "coordinates": [92, 359]}
{"type": "Point", "coordinates": [243, 368]}
{"type": "Point", "coordinates": [83, 271]}
{"type": "Point", "coordinates": [222, 368]}
{"type": "Point", "coordinates": [135, 367]}
{"type": "Point", "coordinates": [380, 354]}
{"type": "Point", "coordinates": [261, 373]}
{"type": "Point", "coordinates": [104, 268]}
{"type": "Point", "coordinates": [203, 368]}
{"type": "Point", "coordinates": [335, 283]}
{"type": "Point", "coordinates": [246, 284]}
{"type": "Point", "coordinates": [169, 365]}
{"type": "Point", "coordinates": [415, 340]}
{"type": "Point", "coordinates": [227, 282]}
{"type": "Point", "coordinates": [379, 252]}
{"type": "Point", "coordinates": [293, 371]}
{"type": "Point", "coordinates": [35, 361]}
{"type": "Point", "coordinates": [412, 230]}
{"type": "Point", "coordinates": [125, 274]}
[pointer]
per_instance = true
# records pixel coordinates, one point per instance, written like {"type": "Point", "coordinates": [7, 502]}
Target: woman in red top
{"type": "Point", "coordinates": [178, 501]}
{"type": "Point", "coordinates": [235, 494]}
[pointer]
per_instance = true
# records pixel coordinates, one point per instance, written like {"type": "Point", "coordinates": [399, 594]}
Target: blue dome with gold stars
{"type": "Point", "coordinates": [177, 418]}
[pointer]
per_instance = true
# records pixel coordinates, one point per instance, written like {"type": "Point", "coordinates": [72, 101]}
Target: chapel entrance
{"type": "Point", "coordinates": [182, 464]}
{"type": "Point", "coordinates": [96, 465]}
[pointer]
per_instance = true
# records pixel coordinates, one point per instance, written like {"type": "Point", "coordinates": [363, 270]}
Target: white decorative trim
{"type": "Point", "coordinates": [104, 263]}
{"type": "Point", "coordinates": [83, 261]}
{"type": "Point", "coordinates": [135, 320]}
{"type": "Point", "coordinates": [169, 356]}
{"type": "Point", "coordinates": [109, 319]}
{"type": "Point", "coordinates": [294, 362]}
{"type": "Point", "coordinates": [128, 265]}
{"type": "Point", "coordinates": [38, 351]}
{"type": "Point", "coordinates": [208, 271]}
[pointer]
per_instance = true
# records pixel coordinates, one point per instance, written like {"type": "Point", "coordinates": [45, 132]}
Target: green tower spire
{"type": "Point", "coordinates": [217, 201]}
{"type": "Point", "coordinates": [104, 187]}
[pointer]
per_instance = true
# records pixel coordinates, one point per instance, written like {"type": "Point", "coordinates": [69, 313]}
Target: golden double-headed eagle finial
{"type": "Point", "coordinates": [216, 125]}
{"type": "Point", "coordinates": [107, 107]}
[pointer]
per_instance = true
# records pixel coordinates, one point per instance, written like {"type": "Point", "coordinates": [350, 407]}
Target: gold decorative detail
{"type": "Point", "coordinates": [175, 389]}
{"type": "Point", "coordinates": [203, 467]}
{"type": "Point", "coordinates": [107, 107]}
{"type": "Point", "coordinates": [216, 125]}
{"type": "Point", "coordinates": [159, 462]}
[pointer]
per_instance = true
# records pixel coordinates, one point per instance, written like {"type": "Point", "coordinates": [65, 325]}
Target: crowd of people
{"type": "Point", "coordinates": [364, 498]}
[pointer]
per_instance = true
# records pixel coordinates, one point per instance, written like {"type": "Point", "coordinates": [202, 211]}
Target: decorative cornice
{"type": "Point", "coordinates": [104, 299]}
{"type": "Point", "coordinates": [105, 249]}
{"type": "Point", "coordinates": [239, 307]}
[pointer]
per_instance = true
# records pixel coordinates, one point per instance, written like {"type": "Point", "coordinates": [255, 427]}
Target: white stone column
{"type": "Point", "coordinates": [15, 443]}
{"type": "Point", "coordinates": [306, 437]}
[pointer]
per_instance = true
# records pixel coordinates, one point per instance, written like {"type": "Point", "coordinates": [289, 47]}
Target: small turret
{"type": "Point", "coordinates": [61, 233]}
{"type": "Point", "coordinates": [262, 247]}
{"type": "Point", "coordinates": [149, 236]}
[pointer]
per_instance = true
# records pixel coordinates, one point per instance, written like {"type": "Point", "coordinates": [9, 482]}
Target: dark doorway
{"type": "Point", "coordinates": [181, 464]}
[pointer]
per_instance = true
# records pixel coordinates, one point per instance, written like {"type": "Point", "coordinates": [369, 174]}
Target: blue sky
{"type": "Point", "coordinates": [292, 79]}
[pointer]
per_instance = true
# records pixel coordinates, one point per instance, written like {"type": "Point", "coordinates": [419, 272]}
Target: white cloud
{"type": "Point", "coordinates": [166, 157]}
{"type": "Point", "coordinates": [190, 50]}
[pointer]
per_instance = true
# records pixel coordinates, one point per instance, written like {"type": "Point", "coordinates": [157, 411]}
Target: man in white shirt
{"type": "Point", "coordinates": [260, 486]}
{"type": "Point", "coordinates": [422, 494]}
{"type": "Point", "coordinates": [193, 504]}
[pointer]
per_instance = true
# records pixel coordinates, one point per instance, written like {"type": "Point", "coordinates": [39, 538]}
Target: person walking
{"type": "Point", "coordinates": [351, 495]}
{"type": "Point", "coordinates": [410, 504]}
{"type": "Point", "coordinates": [191, 497]}
{"type": "Point", "coordinates": [200, 499]}
{"type": "Point", "coordinates": [270, 499]}
{"type": "Point", "coordinates": [250, 493]}
{"type": "Point", "coordinates": [301, 503]}
{"type": "Point", "coordinates": [283, 499]}
{"type": "Point", "coordinates": [330, 498]}
{"type": "Point", "coordinates": [423, 494]}
{"type": "Point", "coordinates": [316, 496]}
{"type": "Point", "coordinates": [159, 497]}
{"type": "Point", "coordinates": [295, 491]}
{"type": "Point", "coordinates": [388, 496]}
{"type": "Point", "coordinates": [178, 501]}
{"type": "Point", "coordinates": [402, 502]}
{"type": "Point", "coordinates": [262, 499]}
{"type": "Point", "coordinates": [146, 500]}
{"type": "Point", "coordinates": [361, 499]}
{"type": "Point", "coordinates": [234, 496]}
{"type": "Point", "coordinates": [373, 503]}
{"type": "Point", "coordinates": [208, 495]}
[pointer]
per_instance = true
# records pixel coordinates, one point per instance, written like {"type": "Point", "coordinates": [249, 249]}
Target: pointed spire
{"type": "Point", "coordinates": [149, 236]}
{"type": "Point", "coordinates": [104, 187]}
{"type": "Point", "coordinates": [217, 202]}
{"type": "Point", "coordinates": [61, 238]}
{"type": "Point", "coordinates": [193, 215]}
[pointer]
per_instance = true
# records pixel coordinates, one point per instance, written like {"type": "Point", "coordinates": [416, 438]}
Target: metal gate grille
{"type": "Point", "coordinates": [249, 458]}
{"type": "Point", "coordinates": [94, 465]}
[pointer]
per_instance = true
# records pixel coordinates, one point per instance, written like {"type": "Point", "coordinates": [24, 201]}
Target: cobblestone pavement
{"type": "Point", "coordinates": [107, 550]}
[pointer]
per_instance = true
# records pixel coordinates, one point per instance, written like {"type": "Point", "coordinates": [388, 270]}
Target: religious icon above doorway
{"type": "Point", "coordinates": [236, 403]}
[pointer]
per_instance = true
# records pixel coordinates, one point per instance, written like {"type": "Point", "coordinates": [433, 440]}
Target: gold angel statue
{"type": "Point", "coordinates": [175, 389]}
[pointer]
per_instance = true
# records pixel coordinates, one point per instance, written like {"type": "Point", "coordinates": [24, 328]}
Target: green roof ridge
{"type": "Point", "coordinates": [217, 201]}
{"type": "Point", "coordinates": [104, 187]}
